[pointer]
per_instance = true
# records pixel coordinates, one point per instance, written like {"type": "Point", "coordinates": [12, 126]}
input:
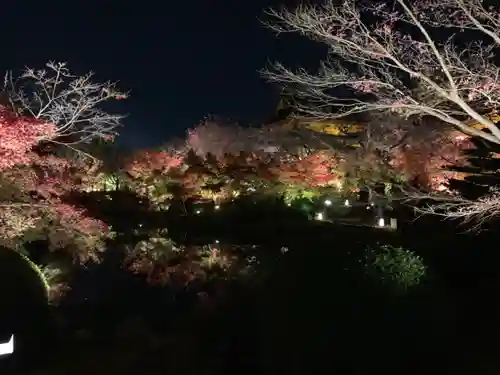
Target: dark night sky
{"type": "Point", "coordinates": [182, 60]}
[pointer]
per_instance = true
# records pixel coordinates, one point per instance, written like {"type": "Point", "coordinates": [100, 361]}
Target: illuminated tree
{"type": "Point", "coordinates": [315, 170]}
{"type": "Point", "coordinates": [35, 190]}
{"type": "Point", "coordinates": [18, 135]}
{"type": "Point", "coordinates": [454, 84]}
{"type": "Point", "coordinates": [384, 148]}
{"type": "Point", "coordinates": [71, 102]}
{"type": "Point", "coordinates": [212, 137]}
{"type": "Point", "coordinates": [474, 188]}
{"type": "Point", "coordinates": [152, 173]}
{"type": "Point", "coordinates": [427, 164]}
{"type": "Point", "coordinates": [166, 178]}
{"type": "Point", "coordinates": [390, 59]}
{"type": "Point", "coordinates": [36, 198]}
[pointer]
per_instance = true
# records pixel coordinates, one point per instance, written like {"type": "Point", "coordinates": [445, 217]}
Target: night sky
{"type": "Point", "coordinates": [181, 60]}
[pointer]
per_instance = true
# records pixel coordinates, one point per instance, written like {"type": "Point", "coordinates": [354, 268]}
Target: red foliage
{"type": "Point", "coordinates": [73, 217]}
{"type": "Point", "coordinates": [315, 170]}
{"type": "Point", "coordinates": [54, 179]}
{"type": "Point", "coordinates": [18, 135]}
{"type": "Point", "coordinates": [147, 163]}
{"type": "Point", "coordinates": [426, 163]}
{"type": "Point", "coordinates": [164, 271]}
{"type": "Point", "coordinates": [49, 180]}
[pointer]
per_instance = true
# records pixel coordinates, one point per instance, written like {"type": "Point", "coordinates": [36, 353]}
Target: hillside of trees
{"type": "Point", "coordinates": [346, 235]}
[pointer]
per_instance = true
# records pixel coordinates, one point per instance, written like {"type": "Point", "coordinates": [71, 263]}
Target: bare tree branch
{"type": "Point", "coordinates": [73, 103]}
{"type": "Point", "coordinates": [383, 63]}
{"type": "Point", "coordinates": [403, 60]}
{"type": "Point", "coordinates": [473, 213]}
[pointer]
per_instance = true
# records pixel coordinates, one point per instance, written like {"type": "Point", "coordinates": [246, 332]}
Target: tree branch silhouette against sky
{"type": "Point", "coordinates": [181, 61]}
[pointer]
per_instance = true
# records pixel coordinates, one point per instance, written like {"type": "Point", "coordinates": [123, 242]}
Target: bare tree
{"type": "Point", "coordinates": [405, 58]}
{"type": "Point", "coordinates": [473, 213]}
{"type": "Point", "coordinates": [390, 57]}
{"type": "Point", "coordinates": [217, 137]}
{"type": "Point", "coordinates": [73, 103]}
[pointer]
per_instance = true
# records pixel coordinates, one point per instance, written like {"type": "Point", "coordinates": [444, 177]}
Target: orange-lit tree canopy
{"type": "Point", "coordinates": [216, 166]}
{"type": "Point", "coordinates": [35, 190]}
{"type": "Point", "coordinates": [215, 163]}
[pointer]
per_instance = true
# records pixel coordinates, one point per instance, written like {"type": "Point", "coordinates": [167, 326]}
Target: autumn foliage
{"type": "Point", "coordinates": [426, 163]}
{"type": "Point", "coordinates": [38, 187]}
{"type": "Point", "coordinates": [312, 171]}
{"type": "Point", "coordinates": [18, 136]}
{"type": "Point", "coordinates": [203, 168]}
{"type": "Point", "coordinates": [35, 188]}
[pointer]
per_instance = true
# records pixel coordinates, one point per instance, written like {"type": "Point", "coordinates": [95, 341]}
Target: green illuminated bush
{"type": "Point", "coordinates": [395, 266]}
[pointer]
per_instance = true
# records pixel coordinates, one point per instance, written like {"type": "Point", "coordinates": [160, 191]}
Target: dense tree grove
{"type": "Point", "coordinates": [44, 184]}
{"type": "Point", "coordinates": [427, 60]}
{"type": "Point", "coordinates": [217, 208]}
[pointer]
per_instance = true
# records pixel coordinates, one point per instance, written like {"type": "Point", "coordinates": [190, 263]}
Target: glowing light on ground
{"type": "Point", "coordinates": [381, 222]}
{"type": "Point", "coordinates": [328, 202]}
{"type": "Point", "coordinates": [319, 216]}
{"type": "Point", "coordinates": [7, 347]}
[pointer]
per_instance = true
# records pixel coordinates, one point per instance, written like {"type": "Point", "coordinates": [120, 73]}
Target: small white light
{"type": "Point", "coordinates": [346, 203]}
{"type": "Point", "coordinates": [217, 207]}
{"type": "Point", "coordinates": [368, 207]}
{"type": "Point", "coordinates": [216, 241]}
{"type": "Point", "coordinates": [7, 347]}
{"type": "Point", "coordinates": [319, 216]}
{"type": "Point", "coordinates": [381, 222]}
{"type": "Point", "coordinates": [328, 202]}
{"type": "Point", "coordinates": [198, 211]}
{"type": "Point", "coordinates": [288, 204]}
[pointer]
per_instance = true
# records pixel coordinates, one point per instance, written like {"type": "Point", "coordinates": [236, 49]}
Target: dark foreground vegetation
{"type": "Point", "coordinates": [323, 298]}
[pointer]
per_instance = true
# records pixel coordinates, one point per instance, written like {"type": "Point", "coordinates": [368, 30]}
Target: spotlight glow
{"type": "Point", "coordinates": [319, 216]}
{"type": "Point", "coordinates": [381, 222]}
{"type": "Point", "coordinates": [7, 347]}
{"type": "Point", "coordinates": [328, 202]}
{"type": "Point", "coordinates": [347, 203]}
